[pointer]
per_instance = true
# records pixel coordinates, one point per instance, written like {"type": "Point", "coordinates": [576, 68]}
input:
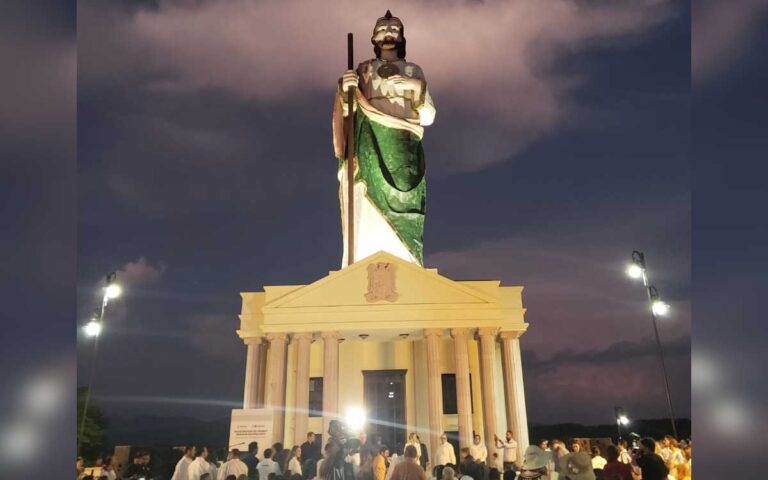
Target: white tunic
{"type": "Point", "coordinates": [445, 454]}
{"type": "Point", "coordinates": [510, 450]}
{"type": "Point", "coordinates": [478, 452]}
{"type": "Point", "coordinates": [234, 467]}
{"type": "Point", "coordinates": [182, 469]}
{"type": "Point", "coordinates": [197, 468]}
{"type": "Point", "coordinates": [267, 466]}
{"type": "Point", "coordinates": [381, 92]}
{"type": "Point", "coordinates": [294, 466]}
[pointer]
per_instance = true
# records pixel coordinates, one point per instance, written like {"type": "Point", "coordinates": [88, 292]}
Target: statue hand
{"type": "Point", "coordinates": [349, 79]}
{"type": "Point", "coordinates": [404, 84]}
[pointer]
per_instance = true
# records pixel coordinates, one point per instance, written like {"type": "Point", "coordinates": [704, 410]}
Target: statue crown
{"type": "Point", "coordinates": [388, 18]}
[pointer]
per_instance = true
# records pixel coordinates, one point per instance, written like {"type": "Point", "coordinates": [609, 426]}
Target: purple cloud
{"type": "Point", "coordinates": [491, 65]}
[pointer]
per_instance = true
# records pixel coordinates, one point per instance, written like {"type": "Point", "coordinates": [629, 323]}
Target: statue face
{"type": "Point", "coordinates": [387, 34]}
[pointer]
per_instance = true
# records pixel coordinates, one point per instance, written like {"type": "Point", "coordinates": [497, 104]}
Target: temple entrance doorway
{"type": "Point", "coordinates": [385, 402]}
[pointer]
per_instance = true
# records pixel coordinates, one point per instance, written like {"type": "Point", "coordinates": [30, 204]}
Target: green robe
{"type": "Point", "coordinates": [390, 162]}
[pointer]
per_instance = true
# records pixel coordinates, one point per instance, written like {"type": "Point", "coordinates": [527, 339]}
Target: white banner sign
{"type": "Point", "coordinates": [250, 425]}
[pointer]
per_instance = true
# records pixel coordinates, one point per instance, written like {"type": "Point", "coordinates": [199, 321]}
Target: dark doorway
{"type": "Point", "coordinates": [385, 401]}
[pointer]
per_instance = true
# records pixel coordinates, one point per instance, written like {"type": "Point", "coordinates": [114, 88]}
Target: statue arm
{"type": "Point", "coordinates": [423, 103]}
{"type": "Point", "coordinates": [426, 108]}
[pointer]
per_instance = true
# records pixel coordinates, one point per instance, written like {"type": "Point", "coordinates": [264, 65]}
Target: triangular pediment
{"type": "Point", "coordinates": [381, 279]}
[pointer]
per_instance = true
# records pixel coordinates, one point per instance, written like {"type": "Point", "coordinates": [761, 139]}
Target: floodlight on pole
{"type": "Point", "coordinates": [634, 271]}
{"type": "Point", "coordinates": [638, 269]}
{"type": "Point", "coordinates": [660, 308]}
{"type": "Point", "coordinates": [624, 420]}
{"type": "Point", "coordinates": [93, 329]}
{"type": "Point", "coordinates": [621, 419]}
{"type": "Point", "coordinates": [113, 291]}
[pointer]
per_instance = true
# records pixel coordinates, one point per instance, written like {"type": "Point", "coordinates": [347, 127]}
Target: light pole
{"type": "Point", "coordinates": [638, 270]}
{"type": "Point", "coordinates": [621, 419]}
{"type": "Point", "coordinates": [93, 329]}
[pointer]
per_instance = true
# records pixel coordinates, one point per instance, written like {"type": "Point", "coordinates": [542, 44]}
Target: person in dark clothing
{"type": "Point", "coordinates": [424, 460]}
{"type": "Point", "coordinates": [250, 459]}
{"type": "Point", "coordinates": [651, 465]}
{"type": "Point", "coordinates": [310, 450]}
{"type": "Point", "coordinates": [280, 455]}
{"type": "Point", "coordinates": [136, 468]}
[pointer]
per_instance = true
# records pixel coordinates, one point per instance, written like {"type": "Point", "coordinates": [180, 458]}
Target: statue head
{"type": "Point", "coordinates": [388, 34]}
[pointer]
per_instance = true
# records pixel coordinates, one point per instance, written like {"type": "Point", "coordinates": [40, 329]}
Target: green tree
{"type": "Point", "coordinates": [91, 439]}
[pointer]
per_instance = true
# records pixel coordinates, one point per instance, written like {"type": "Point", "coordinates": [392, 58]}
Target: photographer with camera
{"type": "Point", "coordinates": [335, 465]}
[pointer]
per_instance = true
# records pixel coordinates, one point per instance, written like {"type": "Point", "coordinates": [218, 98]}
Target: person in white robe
{"type": "Point", "coordinates": [478, 450]}
{"type": "Point", "coordinates": [199, 465]}
{"type": "Point", "coordinates": [181, 472]}
{"type": "Point", "coordinates": [445, 454]}
{"type": "Point", "coordinates": [233, 466]}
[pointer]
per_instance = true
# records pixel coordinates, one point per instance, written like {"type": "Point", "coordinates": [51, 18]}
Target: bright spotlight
{"type": "Point", "coordinates": [624, 420]}
{"type": "Point", "coordinates": [660, 308]}
{"type": "Point", "coordinates": [92, 328]}
{"type": "Point", "coordinates": [355, 418]}
{"type": "Point", "coordinates": [113, 291]}
{"type": "Point", "coordinates": [634, 271]}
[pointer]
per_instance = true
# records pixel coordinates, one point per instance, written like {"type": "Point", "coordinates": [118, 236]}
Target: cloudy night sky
{"type": "Point", "coordinates": [561, 144]}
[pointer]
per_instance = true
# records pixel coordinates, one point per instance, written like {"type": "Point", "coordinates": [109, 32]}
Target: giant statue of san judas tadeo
{"type": "Point", "coordinates": [392, 105]}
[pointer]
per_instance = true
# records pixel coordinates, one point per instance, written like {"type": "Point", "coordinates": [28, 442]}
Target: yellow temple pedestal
{"type": "Point", "coordinates": [418, 352]}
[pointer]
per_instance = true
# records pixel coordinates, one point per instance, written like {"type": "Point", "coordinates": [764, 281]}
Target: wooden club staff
{"type": "Point", "coordinates": [350, 154]}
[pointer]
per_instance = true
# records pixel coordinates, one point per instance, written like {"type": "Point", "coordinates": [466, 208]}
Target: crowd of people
{"type": "Point", "coordinates": [357, 458]}
{"type": "Point", "coordinates": [648, 459]}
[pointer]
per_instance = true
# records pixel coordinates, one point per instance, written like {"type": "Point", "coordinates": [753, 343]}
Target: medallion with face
{"type": "Point", "coordinates": [387, 69]}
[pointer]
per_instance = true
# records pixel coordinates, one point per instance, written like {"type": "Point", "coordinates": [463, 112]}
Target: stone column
{"type": "Point", "coordinates": [487, 353]}
{"type": "Point", "coordinates": [277, 343]}
{"type": "Point", "coordinates": [301, 413]}
{"type": "Point", "coordinates": [262, 387]}
{"type": "Point", "coordinates": [434, 389]}
{"type": "Point", "coordinates": [517, 419]}
{"type": "Point", "coordinates": [330, 379]}
{"type": "Point", "coordinates": [463, 400]}
{"type": "Point", "coordinates": [253, 377]}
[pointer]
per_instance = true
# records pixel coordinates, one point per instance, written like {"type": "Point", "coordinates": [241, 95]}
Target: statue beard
{"type": "Point", "coordinates": [387, 44]}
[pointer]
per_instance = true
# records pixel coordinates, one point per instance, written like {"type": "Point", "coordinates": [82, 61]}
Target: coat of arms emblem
{"type": "Point", "coordinates": [381, 282]}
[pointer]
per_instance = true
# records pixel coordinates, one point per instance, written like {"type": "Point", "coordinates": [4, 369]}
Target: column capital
{"type": "Point", "coordinates": [433, 332]}
{"type": "Point", "coordinates": [276, 337]}
{"type": "Point", "coordinates": [303, 336]}
{"type": "Point", "coordinates": [459, 332]}
{"type": "Point", "coordinates": [253, 340]}
{"type": "Point", "coordinates": [510, 334]}
{"type": "Point", "coordinates": [487, 331]}
{"type": "Point", "coordinates": [330, 335]}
